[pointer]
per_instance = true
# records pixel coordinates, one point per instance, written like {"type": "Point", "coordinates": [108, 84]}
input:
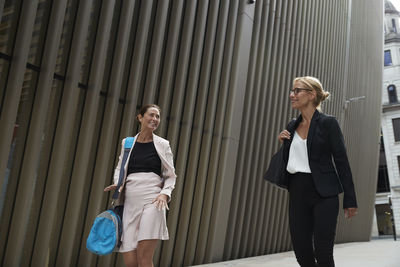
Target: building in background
{"type": "Point", "coordinates": [388, 195]}
{"type": "Point", "coordinates": [74, 73]}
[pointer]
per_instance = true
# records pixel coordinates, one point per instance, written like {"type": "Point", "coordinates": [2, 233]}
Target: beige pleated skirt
{"type": "Point", "coordinates": [141, 219]}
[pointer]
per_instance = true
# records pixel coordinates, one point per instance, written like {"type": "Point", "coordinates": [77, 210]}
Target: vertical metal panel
{"type": "Point", "coordinates": [64, 133]}
{"type": "Point", "coordinates": [208, 131]}
{"type": "Point", "coordinates": [273, 121]}
{"type": "Point", "coordinates": [271, 129]}
{"type": "Point", "coordinates": [286, 114]}
{"type": "Point", "coordinates": [109, 141]}
{"type": "Point", "coordinates": [260, 71]}
{"type": "Point", "coordinates": [79, 188]}
{"type": "Point", "coordinates": [280, 116]}
{"type": "Point", "coordinates": [338, 61]}
{"type": "Point", "coordinates": [313, 36]}
{"type": "Point", "coordinates": [270, 191]}
{"type": "Point", "coordinates": [302, 32]}
{"type": "Point", "coordinates": [306, 34]}
{"type": "Point", "coordinates": [153, 70]}
{"type": "Point", "coordinates": [316, 10]}
{"type": "Point", "coordinates": [331, 57]}
{"type": "Point", "coordinates": [195, 165]}
{"type": "Point", "coordinates": [231, 132]}
{"type": "Point", "coordinates": [13, 193]}
{"type": "Point", "coordinates": [297, 40]}
{"type": "Point", "coordinates": [346, 66]}
{"type": "Point", "coordinates": [256, 50]}
{"type": "Point", "coordinates": [170, 63]}
{"type": "Point", "coordinates": [187, 238]}
{"type": "Point", "coordinates": [29, 175]}
{"type": "Point", "coordinates": [168, 75]}
{"type": "Point", "coordinates": [263, 109]}
{"type": "Point", "coordinates": [283, 115]}
{"type": "Point", "coordinates": [205, 248]}
{"type": "Point", "coordinates": [28, 172]}
{"type": "Point", "coordinates": [331, 83]}
{"type": "Point", "coordinates": [2, 2]}
{"type": "Point", "coordinates": [137, 66]}
{"type": "Point", "coordinates": [255, 133]}
{"type": "Point", "coordinates": [7, 121]}
{"type": "Point", "coordinates": [370, 73]}
{"type": "Point", "coordinates": [14, 84]}
{"type": "Point", "coordinates": [186, 140]}
{"type": "Point", "coordinates": [323, 41]}
{"type": "Point", "coordinates": [176, 112]}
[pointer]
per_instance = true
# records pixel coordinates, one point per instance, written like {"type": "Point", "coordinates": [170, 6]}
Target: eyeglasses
{"type": "Point", "coordinates": [296, 90]}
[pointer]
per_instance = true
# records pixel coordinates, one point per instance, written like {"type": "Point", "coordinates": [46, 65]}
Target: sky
{"type": "Point", "coordinates": [396, 4]}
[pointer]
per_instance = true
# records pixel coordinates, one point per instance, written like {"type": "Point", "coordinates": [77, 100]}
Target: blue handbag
{"type": "Point", "coordinates": [105, 234]}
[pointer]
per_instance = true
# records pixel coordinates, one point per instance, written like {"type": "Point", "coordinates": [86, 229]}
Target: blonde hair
{"type": "Point", "coordinates": [314, 84]}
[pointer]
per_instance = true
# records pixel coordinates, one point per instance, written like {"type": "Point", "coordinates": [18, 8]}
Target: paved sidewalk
{"type": "Point", "coordinates": [376, 253]}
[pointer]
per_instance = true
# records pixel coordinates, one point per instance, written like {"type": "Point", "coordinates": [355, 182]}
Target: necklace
{"type": "Point", "coordinates": [141, 139]}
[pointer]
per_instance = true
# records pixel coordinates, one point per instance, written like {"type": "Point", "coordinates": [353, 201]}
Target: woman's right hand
{"type": "Point", "coordinates": [285, 134]}
{"type": "Point", "coordinates": [110, 188]}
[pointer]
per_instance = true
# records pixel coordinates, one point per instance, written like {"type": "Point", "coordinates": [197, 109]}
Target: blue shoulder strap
{"type": "Point", "coordinates": [129, 142]}
{"type": "Point", "coordinates": [127, 148]}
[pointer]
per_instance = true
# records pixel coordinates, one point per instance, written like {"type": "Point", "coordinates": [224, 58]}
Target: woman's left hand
{"type": "Point", "coordinates": [161, 202]}
{"type": "Point", "coordinates": [350, 212]}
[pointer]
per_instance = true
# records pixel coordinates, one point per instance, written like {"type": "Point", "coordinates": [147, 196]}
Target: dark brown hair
{"type": "Point", "coordinates": [144, 109]}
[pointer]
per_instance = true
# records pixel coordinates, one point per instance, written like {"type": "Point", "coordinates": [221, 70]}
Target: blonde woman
{"type": "Point", "coordinates": [314, 182]}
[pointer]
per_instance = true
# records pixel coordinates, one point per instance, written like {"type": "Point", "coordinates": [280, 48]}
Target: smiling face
{"type": "Point", "coordinates": [301, 96]}
{"type": "Point", "coordinates": [150, 120]}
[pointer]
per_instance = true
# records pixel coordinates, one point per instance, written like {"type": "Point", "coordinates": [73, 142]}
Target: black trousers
{"type": "Point", "coordinates": [312, 222]}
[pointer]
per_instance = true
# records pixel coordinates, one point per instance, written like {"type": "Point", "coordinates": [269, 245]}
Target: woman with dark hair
{"type": "Point", "coordinates": [149, 178]}
{"type": "Point", "coordinates": [310, 143]}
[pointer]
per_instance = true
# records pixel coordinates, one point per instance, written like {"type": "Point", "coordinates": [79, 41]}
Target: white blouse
{"type": "Point", "coordinates": [298, 156]}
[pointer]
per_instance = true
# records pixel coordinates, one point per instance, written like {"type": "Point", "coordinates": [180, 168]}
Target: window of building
{"type": "Point", "coordinates": [388, 58]}
{"type": "Point", "coordinates": [383, 180]}
{"type": "Point", "coordinates": [384, 217]}
{"type": "Point", "coordinates": [398, 161]}
{"type": "Point", "coordinates": [394, 26]}
{"type": "Point", "coordinates": [396, 129]}
{"type": "Point", "coordinates": [383, 177]}
{"type": "Point", "coordinates": [392, 94]}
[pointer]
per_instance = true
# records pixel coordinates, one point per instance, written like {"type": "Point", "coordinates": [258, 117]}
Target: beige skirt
{"type": "Point", "coordinates": [141, 219]}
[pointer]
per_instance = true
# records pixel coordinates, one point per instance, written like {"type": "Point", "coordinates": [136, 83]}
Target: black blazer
{"type": "Point", "coordinates": [324, 143]}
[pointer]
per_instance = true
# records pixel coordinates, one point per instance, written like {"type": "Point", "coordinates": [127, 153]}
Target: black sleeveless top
{"type": "Point", "coordinates": [144, 158]}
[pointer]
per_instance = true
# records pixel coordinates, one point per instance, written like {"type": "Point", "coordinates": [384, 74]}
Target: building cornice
{"type": "Point", "coordinates": [395, 187]}
{"type": "Point", "coordinates": [391, 11]}
{"type": "Point", "coordinates": [382, 198]}
{"type": "Point", "coordinates": [395, 39]}
{"type": "Point", "coordinates": [390, 107]}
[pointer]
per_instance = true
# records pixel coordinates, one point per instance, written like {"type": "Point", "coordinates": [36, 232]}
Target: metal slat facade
{"type": "Point", "coordinates": [74, 74]}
